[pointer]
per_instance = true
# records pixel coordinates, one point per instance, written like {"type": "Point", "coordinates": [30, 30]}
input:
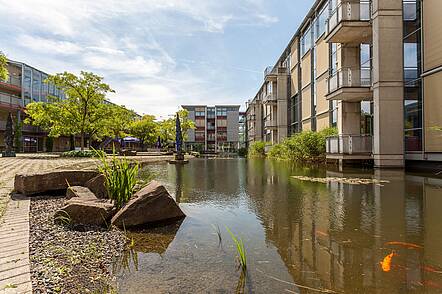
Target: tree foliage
{"type": "Point", "coordinates": [166, 128]}
{"type": "Point", "coordinates": [145, 129]}
{"type": "Point", "coordinates": [3, 67]}
{"type": "Point", "coordinates": [84, 111]}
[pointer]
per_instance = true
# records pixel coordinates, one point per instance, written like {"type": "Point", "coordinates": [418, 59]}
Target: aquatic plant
{"type": "Point", "coordinates": [257, 149]}
{"type": "Point", "coordinates": [240, 250]}
{"type": "Point", "coordinates": [303, 146]}
{"type": "Point", "coordinates": [121, 178]}
{"type": "Point", "coordinates": [218, 233]}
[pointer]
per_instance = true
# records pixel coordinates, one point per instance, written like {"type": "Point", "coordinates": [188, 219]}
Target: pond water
{"type": "Point", "coordinates": [300, 236]}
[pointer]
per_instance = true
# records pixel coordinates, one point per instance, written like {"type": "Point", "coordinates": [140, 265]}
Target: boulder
{"type": "Point", "coordinates": [82, 211]}
{"type": "Point", "coordinates": [35, 183]}
{"type": "Point", "coordinates": [80, 192]}
{"type": "Point", "coordinates": [149, 205]}
{"type": "Point", "coordinates": [98, 186]}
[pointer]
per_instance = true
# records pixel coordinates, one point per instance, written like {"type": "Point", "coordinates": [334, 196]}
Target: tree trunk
{"type": "Point", "coordinates": [82, 141]}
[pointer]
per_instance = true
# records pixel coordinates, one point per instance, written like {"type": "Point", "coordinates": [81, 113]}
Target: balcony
{"type": "Point", "coordinates": [13, 83]}
{"type": "Point", "coordinates": [270, 123]}
{"type": "Point", "coordinates": [10, 101]}
{"type": "Point", "coordinates": [350, 85]}
{"type": "Point", "coordinates": [350, 23]}
{"type": "Point", "coordinates": [270, 98]}
{"type": "Point", "coordinates": [349, 147]}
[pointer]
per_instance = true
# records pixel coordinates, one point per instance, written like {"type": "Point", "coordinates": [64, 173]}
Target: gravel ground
{"type": "Point", "coordinates": [70, 260]}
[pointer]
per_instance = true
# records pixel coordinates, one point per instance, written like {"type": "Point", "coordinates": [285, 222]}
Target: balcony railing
{"type": "Point", "coordinates": [349, 144]}
{"type": "Point", "coordinates": [349, 78]}
{"type": "Point", "coordinates": [269, 97]}
{"type": "Point", "coordinates": [10, 99]}
{"type": "Point", "coordinates": [270, 70]}
{"type": "Point", "coordinates": [12, 80]}
{"type": "Point", "coordinates": [349, 11]}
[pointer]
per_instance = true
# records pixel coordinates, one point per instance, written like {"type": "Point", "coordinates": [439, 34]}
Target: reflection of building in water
{"type": "Point", "coordinates": [335, 235]}
{"type": "Point", "coordinates": [205, 180]}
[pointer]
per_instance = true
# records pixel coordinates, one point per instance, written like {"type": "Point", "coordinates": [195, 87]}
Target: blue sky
{"type": "Point", "coordinates": [156, 54]}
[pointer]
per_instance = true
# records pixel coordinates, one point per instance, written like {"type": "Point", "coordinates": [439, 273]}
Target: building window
{"type": "Point", "coordinates": [334, 111]}
{"type": "Point", "coordinates": [221, 111]}
{"type": "Point", "coordinates": [334, 58]}
{"type": "Point", "coordinates": [321, 21]}
{"type": "Point", "coordinates": [269, 88]}
{"type": "Point", "coordinates": [412, 72]}
{"type": "Point", "coordinates": [306, 41]}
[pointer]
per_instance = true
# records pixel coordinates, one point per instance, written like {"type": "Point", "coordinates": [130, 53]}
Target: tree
{"type": "Point", "coordinates": [3, 67]}
{"type": "Point", "coordinates": [167, 129]}
{"type": "Point", "coordinates": [145, 129]}
{"type": "Point", "coordinates": [81, 113]}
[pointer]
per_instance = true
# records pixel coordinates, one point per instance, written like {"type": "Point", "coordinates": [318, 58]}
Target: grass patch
{"type": "Point", "coordinates": [84, 153]}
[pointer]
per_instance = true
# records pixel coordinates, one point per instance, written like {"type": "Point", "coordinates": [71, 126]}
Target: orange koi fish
{"type": "Point", "coordinates": [386, 263]}
{"type": "Point", "coordinates": [321, 233]}
{"type": "Point", "coordinates": [405, 244]}
{"type": "Point", "coordinates": [431, 269]}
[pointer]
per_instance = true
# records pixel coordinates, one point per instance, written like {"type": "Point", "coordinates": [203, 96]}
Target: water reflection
{"type": "Point", "coordinates": [323, 236]}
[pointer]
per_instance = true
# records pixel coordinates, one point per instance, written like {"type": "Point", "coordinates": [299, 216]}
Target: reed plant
{"type": "Point", "coordinates": [121, 178]}
{"type": "Point", "coordinates": [240, 250]}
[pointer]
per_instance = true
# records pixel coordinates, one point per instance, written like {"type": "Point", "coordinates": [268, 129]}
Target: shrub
{"type": "Point", "coordinates": [121, 178]}
{"type": "Point", "coordinates": [257, 149]}
{"type": "Point", "coordinates": [84, 153]}
{"type": "Point", "coordinates": [242, 152]}
{"type": "Point", "coordinates": [303, 146]}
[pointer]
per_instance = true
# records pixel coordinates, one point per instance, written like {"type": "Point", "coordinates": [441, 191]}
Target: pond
{"type": "Point", "coordinates": [301, 236]}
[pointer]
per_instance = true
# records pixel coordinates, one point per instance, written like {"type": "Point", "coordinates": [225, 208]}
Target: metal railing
{"type": "Point", "coordinates": [269, 70]}
{"type": "Point", "coordinates": [12, 80]}
{"type": "Point", "coordinates": [350, 78]}
{"type": "Point", "coordinates": [10, 99]}
{"type": "Point", "coordinates": [269, 97]}
{"type": "Point", "coordinates": [348, 11]}
{"type": "Point", "coordinates": [270, 123]}
{"type": "Point", "coordinates": [349, 144]}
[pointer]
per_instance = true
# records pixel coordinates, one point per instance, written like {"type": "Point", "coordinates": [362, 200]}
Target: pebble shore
{"type": "Point", "coordinates": [66, 259]}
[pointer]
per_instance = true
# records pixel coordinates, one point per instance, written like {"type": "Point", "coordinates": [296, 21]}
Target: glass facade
{"type": "Point", "coordinates": [412, 80]}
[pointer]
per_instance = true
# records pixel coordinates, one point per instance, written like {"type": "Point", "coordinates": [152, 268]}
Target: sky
{"type": "Point", "coordinates": [155, 54]}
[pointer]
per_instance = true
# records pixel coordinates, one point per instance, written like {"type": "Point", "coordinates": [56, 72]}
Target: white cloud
{"type": "Point", "coordinates": [120, 41]}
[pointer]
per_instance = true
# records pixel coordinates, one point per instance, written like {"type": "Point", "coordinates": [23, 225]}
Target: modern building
{"type": "Point", "coordinates": [217, 128]}
{"type": "Point", "coordinates": [371, 68]}
{"type": "Point", "coordinates": [25, 85]}
{"type": "Point", "coordinates": [242, 134]}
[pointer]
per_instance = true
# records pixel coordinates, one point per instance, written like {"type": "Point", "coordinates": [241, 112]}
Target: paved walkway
{"type": "Point", "coordinates": [15, 276]}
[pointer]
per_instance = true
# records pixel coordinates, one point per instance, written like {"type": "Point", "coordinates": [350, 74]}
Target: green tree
{"type": "Point", "coordinates": [145, 129]}
{"type": "Point", "coordinates": [81, 113]}
{"type": "Point", "coordinates": [167, 129]}
{"type": "Point", "coordinates": [3, 67]}
{"type": "Point", "coordinates": [115, 121]}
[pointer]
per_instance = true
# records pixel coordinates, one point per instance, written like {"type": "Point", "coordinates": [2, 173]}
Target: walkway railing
{"type": "Point", "coordinates": [347, 77]}
{"type": "Point", "coordinates": [348, 11]}
{"type": "Point", "coordinates": [349, 144]}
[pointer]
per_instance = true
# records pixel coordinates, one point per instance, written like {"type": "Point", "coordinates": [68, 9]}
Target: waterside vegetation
{"type": "Point", "coordinates": [306, 146]}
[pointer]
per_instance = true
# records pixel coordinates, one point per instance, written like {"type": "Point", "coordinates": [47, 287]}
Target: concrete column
{"type": "Point", "coordinates": [282, 104]}
{"type": "Point", "coordinates": [350, 56]}
{"type": "Point", "coordinates": [349, 118]}
{"type": "Point", "coordinates": [388, 86]}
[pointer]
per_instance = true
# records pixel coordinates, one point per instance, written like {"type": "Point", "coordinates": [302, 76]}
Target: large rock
{"type": "Point", "coordinates": [35, 183]}
{"type": "Point", "coordinates": [80, 192]}
{"type": "Point", "coordinates": [149, 205]}
{"type": "Point", "coordinates": [98, 186]}
{"type": "Point", "coordinates": [81, 211]}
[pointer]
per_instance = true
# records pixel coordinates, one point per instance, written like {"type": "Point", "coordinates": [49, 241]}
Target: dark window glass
{"type": "Point", "coordinates": [413, 140]}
